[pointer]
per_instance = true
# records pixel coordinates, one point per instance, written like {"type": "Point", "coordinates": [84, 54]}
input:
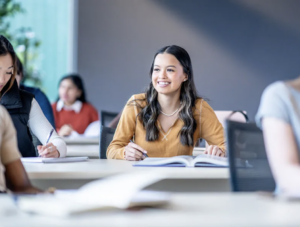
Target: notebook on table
{"type": "Point", "coordinates": [202, 160]}
{"type": "Point", "coordinates": [54, 160]}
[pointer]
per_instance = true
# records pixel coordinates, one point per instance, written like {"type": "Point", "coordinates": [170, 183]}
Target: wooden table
{"type": "Point", "coordinates": [74, 175]}
{"type": "Point", "coordinates": [185, 209]}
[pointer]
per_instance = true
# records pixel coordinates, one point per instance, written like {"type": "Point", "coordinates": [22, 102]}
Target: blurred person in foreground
{"type": "Point", "coordinates": [13, 176]}
{"type": "Point", "coordinates": [279, 117]}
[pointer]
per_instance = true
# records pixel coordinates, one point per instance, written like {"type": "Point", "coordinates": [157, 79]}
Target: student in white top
{"type": "Point", "coordinates": [25, 111]}
{"type": "Point", "coordinates": [12, 173]}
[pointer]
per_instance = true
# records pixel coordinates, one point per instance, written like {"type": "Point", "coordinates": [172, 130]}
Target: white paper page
{"type": "Point", "coordinates": [54, 160]}
{"type": "Point", "coordinates": [184, 159]}
{"type": "Point", "coordinates": [35, 159]}
{"type": "Point", "coordinates": [210, 159]}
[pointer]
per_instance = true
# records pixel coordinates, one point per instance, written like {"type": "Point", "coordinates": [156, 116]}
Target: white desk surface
{"type": "Point", "coordinates": [81, 140]}
{"type": "Point", "coordinates": [185, 209]}
{"type": "Point", "coordinates": [92, 150]}
{"type": "Point", "coordinates": [98, 168]}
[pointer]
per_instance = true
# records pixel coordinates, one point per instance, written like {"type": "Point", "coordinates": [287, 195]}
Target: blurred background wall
{"type": "Point", "coordinates": [237, 47]}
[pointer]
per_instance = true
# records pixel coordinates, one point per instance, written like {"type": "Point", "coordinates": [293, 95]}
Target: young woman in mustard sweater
{"type": "Point", "coordinates": [170, 117]}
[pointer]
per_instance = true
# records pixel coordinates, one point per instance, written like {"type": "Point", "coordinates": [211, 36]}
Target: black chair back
{"type": "Point", "coordinates": [106, 136]}
{"type": "Point", "coordinates": [106, 117]}
{"type": "Point", "coordinates": [249, 166]}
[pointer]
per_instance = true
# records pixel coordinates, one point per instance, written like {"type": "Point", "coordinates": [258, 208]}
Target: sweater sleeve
{"type": "Point", "coordinates": [211, 129]}
{"type": "Point", "coordinates": [124, 132]}
{"type": "Point", "coordinates": [41, 127]}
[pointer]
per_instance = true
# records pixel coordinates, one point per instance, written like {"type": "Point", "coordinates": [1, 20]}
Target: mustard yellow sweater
{"type": "Point", "coordinates": [168, 143]}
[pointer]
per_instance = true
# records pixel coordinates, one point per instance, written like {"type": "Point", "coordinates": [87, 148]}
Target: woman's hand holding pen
{"type": "Point", "coordinates": [134, 152]}
{"type": "Point", "coordinates": [48, 151]}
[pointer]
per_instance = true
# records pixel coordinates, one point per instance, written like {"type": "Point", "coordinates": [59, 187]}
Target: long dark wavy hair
{"type": "Point", "coordinates": [7, 48]}
{"type": "Point", "coordinates": [188, 96]}
{"type": "Point", "coordinates": [77, 81]}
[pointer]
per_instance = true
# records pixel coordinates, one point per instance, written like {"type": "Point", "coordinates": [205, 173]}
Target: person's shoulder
{"type": "Point", "coordinates": [88, 105]}
{"type": "Point", "coordinates": [274, 102]}
{"type": "Point", "coordinates": [278, 87]}
{"type": "Point", "coordinates": [32, 90]}
{"type": "Point", "coordinates": [275, 92]}
{"type": "Point", "coordinates": [202, 106]}
{"type": "Point", "coordinates": [141, 96]}
{"type": "Point", "coordinates": [139, 99]}
{"type": "Point", "coordinates": [26, 94]}
{"type": "Point", "coordinates": [2, 112]}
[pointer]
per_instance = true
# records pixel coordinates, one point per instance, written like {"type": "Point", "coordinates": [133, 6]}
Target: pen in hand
{"type": "Point", "coordinates": [142, 152]}
{"type": "Point", "coordinates": [49, 136]}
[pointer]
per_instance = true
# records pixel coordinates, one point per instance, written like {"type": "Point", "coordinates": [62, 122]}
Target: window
{"type": "Point", "coordinates": [53, 22]}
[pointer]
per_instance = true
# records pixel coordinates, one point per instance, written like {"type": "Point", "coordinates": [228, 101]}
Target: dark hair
{"type": "Point", "coordinates": [77, 81]}
{"type": "Point", "coordinates": [188, 96]}
{"type": "Point", "coordinates": [20, 69]}
{"type": "Point", "coordinates": [7, 48]}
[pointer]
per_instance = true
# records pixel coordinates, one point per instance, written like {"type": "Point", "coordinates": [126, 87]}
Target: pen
{"type": "Point", "coordinates": [142, 152]}
{"type": "Point", "coordinates": [49, 136]}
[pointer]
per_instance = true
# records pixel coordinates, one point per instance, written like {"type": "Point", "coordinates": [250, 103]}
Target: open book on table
{"type": "Point", "coordinates": [119, 191]}
{"type": "Point", "coordinates": [202, 160]}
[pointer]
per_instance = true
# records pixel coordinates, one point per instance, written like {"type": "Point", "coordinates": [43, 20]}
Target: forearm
{"type": "Point", "coordinates": [26, 190]}
{"type": "Point", "coordinates": [288, 179]}
{"type": "Point", "coordinates": [282, 153]}
{"type": "Point", "coordinates": [17, 180]}
{"type": "Point", "coordinates": [115, 152]}
{"type": "Point", "coordinates": [41, 127]}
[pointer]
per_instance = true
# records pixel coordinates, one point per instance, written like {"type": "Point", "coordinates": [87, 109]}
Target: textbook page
{"type": "Point", "coordinates": [204, 160]}
{"type": "Point", "coordinates": [176, 161]}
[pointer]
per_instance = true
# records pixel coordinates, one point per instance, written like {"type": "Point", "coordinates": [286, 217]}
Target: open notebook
{"type": "Point", "coordinates": [54, 160]}
{"type": "Point", "coordinates": [202, 160]}
{"type": "Point", "coordinates": [119, 191]}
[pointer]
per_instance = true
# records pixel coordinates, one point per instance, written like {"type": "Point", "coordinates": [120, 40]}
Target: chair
{"type": "Point", "coordinates": [106, 136]}
{"type": "Point", "coordinates": [235, 115]}
{"type": "Point", "coordinates": [249, 166]}
{"type": "Point", "coordinates": [106, 117]}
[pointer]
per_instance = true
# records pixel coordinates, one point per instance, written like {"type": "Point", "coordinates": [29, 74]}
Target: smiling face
{"type": "Point", "coordinates": [167, 75]}
{"type": "Point", "coordinates": [6, 70]}
{"type": "Point", "coordinates": [68, 91]}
